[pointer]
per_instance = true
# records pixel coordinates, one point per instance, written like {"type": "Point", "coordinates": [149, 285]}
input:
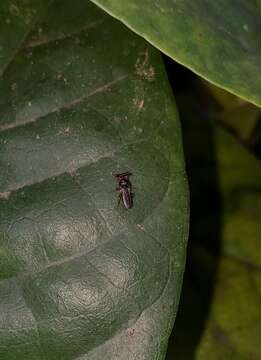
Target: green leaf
{"type": "Point", "coordinates": [80, 276]}
{"type": "Point", "coordinates": [218, 40]}
{"type": "Point", "coordinates": [17, 19]}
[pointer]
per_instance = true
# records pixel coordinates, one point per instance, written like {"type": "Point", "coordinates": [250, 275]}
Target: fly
{"type": "Point", "coordinates": [125, 189]}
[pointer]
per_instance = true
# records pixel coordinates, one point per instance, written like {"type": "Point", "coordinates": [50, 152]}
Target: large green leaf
{"type": "Point", "coordinates": [80, 276]}
{"type": "Point", "coordinates": [219, 40]}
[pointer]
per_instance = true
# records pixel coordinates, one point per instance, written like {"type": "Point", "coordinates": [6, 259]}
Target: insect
{"type": "Point", "coordinates": [125, 189]}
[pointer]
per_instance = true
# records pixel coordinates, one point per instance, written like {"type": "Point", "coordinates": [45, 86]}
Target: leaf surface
{"type": "Point", "coordinates": [17, 19]}
{"type": "Point", "coordinates": [218, 40]}
{"type": "Point", "coordinates": [82, 99]}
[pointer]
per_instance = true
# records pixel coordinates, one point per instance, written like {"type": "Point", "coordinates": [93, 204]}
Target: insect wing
{"type": "Point", "coordinates": [127, 198]}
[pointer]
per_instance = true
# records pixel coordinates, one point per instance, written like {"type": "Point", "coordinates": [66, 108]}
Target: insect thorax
{"type": "Point", "coordinates": [124, 183]}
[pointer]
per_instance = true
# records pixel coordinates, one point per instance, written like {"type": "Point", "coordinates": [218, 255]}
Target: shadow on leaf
{"type": "Point", "coordinates": [206, 219]}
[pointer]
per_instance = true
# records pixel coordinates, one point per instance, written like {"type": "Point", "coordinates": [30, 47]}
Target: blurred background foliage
{"type": "Point", "coordinates": [219, 314]}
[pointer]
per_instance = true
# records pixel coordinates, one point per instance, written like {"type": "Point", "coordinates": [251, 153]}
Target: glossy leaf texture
{"type": "Point", "coordinates": [80, 276]}
{"type": "Point", "coordinates": [17, 19]}
{"type": "Point", "coordinates": [221, 298]}
{"type": "Point", "coordinates": [218, 40]}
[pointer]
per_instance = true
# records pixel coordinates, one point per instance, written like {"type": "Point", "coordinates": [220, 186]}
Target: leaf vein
{"type": "Point", "coordinates": [67, 106]}
{"type": "Point", "coordinates": [45, 41]}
